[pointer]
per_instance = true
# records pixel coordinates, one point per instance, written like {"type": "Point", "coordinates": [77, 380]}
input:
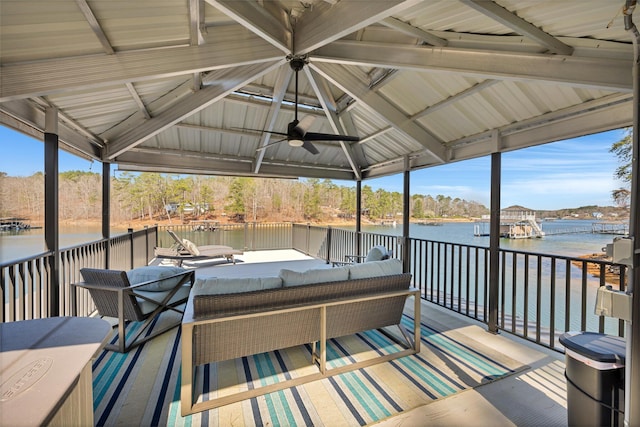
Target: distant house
{"type": "Point", "coordinates": [171, 208]}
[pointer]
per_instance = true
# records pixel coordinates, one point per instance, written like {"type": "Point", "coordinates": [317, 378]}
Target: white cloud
{"type": "Point", "coordinates": [556, 191]}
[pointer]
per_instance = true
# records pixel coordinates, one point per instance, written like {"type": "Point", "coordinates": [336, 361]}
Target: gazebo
{"type": "Point", "coordinates": [338, 89]}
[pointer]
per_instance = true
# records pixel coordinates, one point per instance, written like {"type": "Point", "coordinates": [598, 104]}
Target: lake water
{"type": "Point", "coordinates": [462, 232]}
{"type": "Point", "coordinates": [25, 243]}
{"type": "Point", "coordinates": [14, 246]}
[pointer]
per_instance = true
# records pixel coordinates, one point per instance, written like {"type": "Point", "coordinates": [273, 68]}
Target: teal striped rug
{"type": "Point", "coordinates": [143, 386]}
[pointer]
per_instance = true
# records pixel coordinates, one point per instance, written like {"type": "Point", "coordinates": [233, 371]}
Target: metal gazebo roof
{"type": "Point", "coordinates": [173, 85]}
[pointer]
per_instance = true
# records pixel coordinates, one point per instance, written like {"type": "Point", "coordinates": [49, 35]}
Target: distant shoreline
{"type": "Point", "coordinates": [610, 277]}
{"type": "Point", "coordinates": [137, 224]}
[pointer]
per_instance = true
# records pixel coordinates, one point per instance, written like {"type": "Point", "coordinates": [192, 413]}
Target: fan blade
{"type": "Point", "coordinates": [312, 136]}
{"type": "Point", "coordinates": [264, 147]}
{"type": "Point", "coordinates": [263, 131]}
{"type": "Point", "coordinates": [310, 147]}
{"type": "Point", "coordinates": [305, 124]}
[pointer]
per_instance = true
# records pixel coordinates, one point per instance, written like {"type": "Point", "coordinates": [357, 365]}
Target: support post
{"type": "Point", "coordinates": [632, 368]}
{"type": "Point", "coordinates": [406, 253]}
{"type": "Point", "coordinates": [106, 210]}
{"type": "Point", "coordinates": [358, 216]}
{"type": "Point", "coordinates": [51, 230]}
{"type": "Point", "coordinates": [494, 243]}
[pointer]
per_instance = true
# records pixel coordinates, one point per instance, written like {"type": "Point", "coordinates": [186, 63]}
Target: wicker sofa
{"type": "Point", "coordinates": [231, 318]}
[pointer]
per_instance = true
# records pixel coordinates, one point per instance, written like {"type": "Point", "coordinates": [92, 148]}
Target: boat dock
{"type": "Point", "coordinates": [616, 228]}
{"type": "Point", "coordinates": [515, 223]}
{"type": "Point", "coordinates": [430, 223]}
{"type": "Point", "coordinates": [531, 229]}
{"type": "Point", "coordinates": [204, 225]}
{"type": "Point", "coordinates": [14, 224]}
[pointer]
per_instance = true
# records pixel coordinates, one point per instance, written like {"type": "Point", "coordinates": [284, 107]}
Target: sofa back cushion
{"type": "Point", "coordinates": [155, 272]}
{"type": "Point", "coordinates": [234, 285]}
{"type": "Point", "coordinates": [319, 275]}
{"type": "Point", "coordinates": [208, 305]}
{"type": "Point", "coordinates": [366, 270]}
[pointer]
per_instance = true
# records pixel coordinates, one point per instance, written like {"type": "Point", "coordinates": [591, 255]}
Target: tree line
{"type": "Point", "coordinates": [153, 196]}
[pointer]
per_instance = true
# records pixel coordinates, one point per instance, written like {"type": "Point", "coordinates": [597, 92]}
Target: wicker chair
{"type": "Point", "coordinates": [114, 296]}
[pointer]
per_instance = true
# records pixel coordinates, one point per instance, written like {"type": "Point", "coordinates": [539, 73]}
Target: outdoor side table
{"type": "Point", "coordinates": [45, 370]}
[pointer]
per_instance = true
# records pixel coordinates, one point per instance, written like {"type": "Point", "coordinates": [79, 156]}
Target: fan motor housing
{"type": "Point", "coordinates": [297, 63]}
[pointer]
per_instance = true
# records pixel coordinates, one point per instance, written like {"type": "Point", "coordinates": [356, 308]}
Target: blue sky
{"type": "Point", "coordinates": [566, 174]}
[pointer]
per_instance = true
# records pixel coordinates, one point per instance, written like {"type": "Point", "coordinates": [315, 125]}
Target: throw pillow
{"type": "Point", "coordinates": [377, 253]}
{"type": "Point", "coordinates": [191, 247]}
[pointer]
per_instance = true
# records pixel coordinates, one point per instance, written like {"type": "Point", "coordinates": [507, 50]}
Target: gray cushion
{"type": "Point", "coordinates": [319, 275]}
{"type": "Point", "coordinates": [377, 253]}
{"type": "Point", "coordinates": [234, 285]}
{"type": "Point", "coordinates": [147, 273]}
{"type": "Point", "coordinates": [375, 269]}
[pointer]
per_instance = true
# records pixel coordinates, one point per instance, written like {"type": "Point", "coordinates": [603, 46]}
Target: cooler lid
{"type": "Point", "coordinates": [595, 346]}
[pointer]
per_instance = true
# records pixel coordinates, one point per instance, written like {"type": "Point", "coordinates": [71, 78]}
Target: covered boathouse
{"type": "Point", "coordinates": [221, 87]}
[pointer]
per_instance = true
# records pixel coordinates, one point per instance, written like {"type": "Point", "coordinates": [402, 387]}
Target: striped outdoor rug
{"type": "Point", "coordinates": [143, 386]}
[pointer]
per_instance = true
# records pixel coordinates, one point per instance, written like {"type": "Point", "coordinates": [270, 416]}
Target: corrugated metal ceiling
{"type": "Point", "coordinates": [189, 85]}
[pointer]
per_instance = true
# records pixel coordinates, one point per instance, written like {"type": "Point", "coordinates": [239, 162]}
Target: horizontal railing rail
{"type": "Point", "coordinates": [540, 295]}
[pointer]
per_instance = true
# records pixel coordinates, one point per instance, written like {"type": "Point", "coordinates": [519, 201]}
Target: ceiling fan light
{"type": "Point", "coordinates": [296, 142]}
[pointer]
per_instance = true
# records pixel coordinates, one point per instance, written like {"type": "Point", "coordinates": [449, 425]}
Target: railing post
{"type": "Point", "coordinates": [246, 233]}
{"type": "Point", "coordinates": [292, 239]}
{"type": "Point", "coordinates": [253, 236]}
{"type": "Point", "coordinates": [130, 231]}
{"type": "Point", "coordinates": [146, 243]}
{"type": "Point", "coordinates": [329, 233]}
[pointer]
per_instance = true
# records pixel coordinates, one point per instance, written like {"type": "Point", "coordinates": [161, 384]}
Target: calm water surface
{"type": "Point", "coordinates": [28, 243]}
{"type": "Point", "coordinates": [462, 232]}
{"type": "Point", "coordinates": [14, 246]}
{"type": "Point", "coordinates": [23, 244]}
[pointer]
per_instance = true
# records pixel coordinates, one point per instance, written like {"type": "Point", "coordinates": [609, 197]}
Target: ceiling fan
{"type": "Point", "coordinates": [297, 135]}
